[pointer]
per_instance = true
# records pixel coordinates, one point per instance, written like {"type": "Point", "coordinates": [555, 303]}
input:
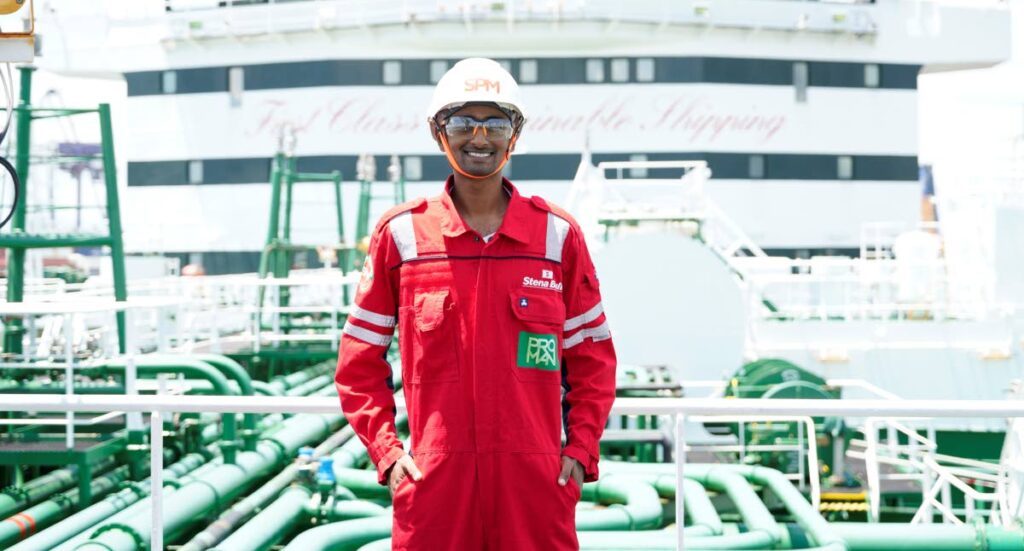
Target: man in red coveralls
{"type": "Point", "coordinates": [498, 312]}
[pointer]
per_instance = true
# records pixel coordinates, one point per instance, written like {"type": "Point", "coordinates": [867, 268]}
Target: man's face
{"type": "Point", "coordinates": [477, 153]}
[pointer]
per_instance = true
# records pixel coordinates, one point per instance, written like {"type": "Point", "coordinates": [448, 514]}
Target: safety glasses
{"type": "Point", "coordinates": [494, 127]}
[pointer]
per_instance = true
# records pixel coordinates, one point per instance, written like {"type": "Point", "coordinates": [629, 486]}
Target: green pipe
{"type": "Point", "coordinates": [763, 532]}
{"type": "Point", "coordinates": [928, 537]}
{"type": "Point", "coordinates": [361, 482]}
{"type": "Point", "coordinates": [343, 493]}
{"type": "Point", "coordinates": [311, 386]}
{"type": "Point", "coordinates": [265, 389]}
{"type": "Point", "coordinates": [639, 507]}
{"type": "Point", "coordinates": [350, 510]}
{"type": "Point", "coordinates": [760, 523]}
{"type": "Point", "coordinates": [22, 241]}
{"type": "Point", "coordinates": [809, 519]}
{"type": "Point", "coordinates": [140, 507]}
{"type": "Point", "coordinates": [234, 516]}
{"type": "Point", "coordinates": [857, 536]}
{"type": "Point", "coordinates": [27, 522]}
{"type": "Point", "coordinates": [75, 524]}
{"type": "Point", "coordinates": [214, 489]}
{"type": "Point", "coordinates": [704, 519]}
{"type": "Point", "coordinates": [817, 528]}
{"type": "Point", "coordinates": [186, 504]}
{"type": "Point", "coordinates": [663, 540]}
{"type": "Point", "coordinates": [211, 432]}
{"type": "Point", "coordinates": [33, 387]}
{"type": "Point", "coordinates": [292, 379]}
{"type": "Point", "coordinates": [379, 545]}
{"type": "Point", "coordinates": [271, 524]}
{"type": "Point", "coordinates": [352, 452]}
{"type": "Point", "coordinates": [155, 365]}
{"type": "Point", "coordinates": [234, 370]}
{"type": "Point", "coordinates": [13, 500]}
{"type": "Point", "coordinates": [284, 382]}
{"type": "Point", "coordinates": [228, 520]}
{"type": "Point", "coordinates": [349, 534]}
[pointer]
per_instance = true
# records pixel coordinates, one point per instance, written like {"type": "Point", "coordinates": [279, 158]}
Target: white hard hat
{"type": "Point", "coordinates": [476, 79]}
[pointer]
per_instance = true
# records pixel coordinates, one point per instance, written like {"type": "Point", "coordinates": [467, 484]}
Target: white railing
{"type": "Point", "coordinates": [177, 314]}
{"type": "Point", "coordinates": [901, 273]}
{"type": "Point", "coordinates": [917, 460]}
{"type": "Point", "coordinates": [844, 288]}
{"type": "Point", "coordinates": [678, 408]}
{"type": "Point", "coordinates": [198, 19]}
{"type": "Point", "coordinates": [806, 448]}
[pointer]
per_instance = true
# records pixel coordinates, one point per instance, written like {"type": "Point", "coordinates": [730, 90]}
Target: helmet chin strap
{"type": "Point", "coordinates": [455, 164]}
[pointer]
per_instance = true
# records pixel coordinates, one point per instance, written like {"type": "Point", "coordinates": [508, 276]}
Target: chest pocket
{"type": "Point", "coordinates": [431, 333]}
{"type": "Point", "coordinates": [537, 335]}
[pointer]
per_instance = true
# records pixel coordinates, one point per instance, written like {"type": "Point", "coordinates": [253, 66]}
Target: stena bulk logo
{"type": "Point", "coordinates": [547, 281]}
{"type": "Point", "coordinates": [474, 84]}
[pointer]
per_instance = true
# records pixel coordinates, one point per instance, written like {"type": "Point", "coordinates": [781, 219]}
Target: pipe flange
{"type": "Point", "coordinates": [63, 500]}
{"type": "Point", "coordinates": [176, 484]}
{"type": "Point", "coordinates": [282, 452]}
{"type": "Point", "coordinates": [216, 494]}
{"type": "Point", "coordinates": [140, 542]}
{"type": "Point", "coordinates": [138, 488]}
{"type": "Point", "coordinates": [17, 492]}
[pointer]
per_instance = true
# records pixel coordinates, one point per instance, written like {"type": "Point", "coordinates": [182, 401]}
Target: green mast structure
{"type": "Point", "coordinates": [18, 241]}
{"type": "Point", "coordinates": [366, 171]}
{"type": "Point", "coordinates": [277, 254]}
{"type": "Point", "coordinates": [279, 251]}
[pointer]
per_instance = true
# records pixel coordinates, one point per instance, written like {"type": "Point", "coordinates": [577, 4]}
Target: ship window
{"type": "Point", "coordinates": [412, 168]}
{"type": "Point", "coordinates": [169, 82]}
{"type": "Point", "coordinates": [638, 171]}
{"type": "Point", "coordinates": [236, 85]}
{"type": "Point", "coordinates": [505, 64]}
{"type": "Point", "coordinates": [872, 75]}
{"type": "Point", "coordinates": [800, 79]}
{"type": "Point", "coordinates": [195, 172]}
{"type": "Point", "coordinates": [844, 167]}
{"type": "Point", "coordinates": [645, 70]}
{"type": "Point", "coordinates": [755, 168]}
{"type": "Point", "coordinates": [392, 72]}
{"type": "Point", "coordinates": [437, 70]}
{"type": "Point", "coordinates": [595, 70]}
{"type": "Point", "coordinates": [528, 70]}
{"type": "Point", "coordinates": [620, 70]}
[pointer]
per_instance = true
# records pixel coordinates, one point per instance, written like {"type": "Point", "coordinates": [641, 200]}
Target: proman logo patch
{"type": "Point", "coordinates": [538, 351]}
{"type": "Point", "coordinates": [474, 84]}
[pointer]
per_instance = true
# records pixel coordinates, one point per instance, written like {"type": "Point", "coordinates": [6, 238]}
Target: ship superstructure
{"type": "Point", "coordinates": [806, 112]}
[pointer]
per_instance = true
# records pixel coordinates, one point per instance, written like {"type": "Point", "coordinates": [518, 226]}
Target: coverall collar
{"type": "Point", "coordinates": [512, 225]}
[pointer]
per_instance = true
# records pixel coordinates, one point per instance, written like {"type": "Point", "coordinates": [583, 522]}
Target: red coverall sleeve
{"type": "Point", "coordinates": [364, 378]}
{"type": "Point", "coordinates": [588, 357]}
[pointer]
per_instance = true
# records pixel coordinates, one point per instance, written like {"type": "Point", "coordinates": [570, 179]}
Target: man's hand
{"type": "Point", "coordinates": [571, 467]}
{"type": "Point", "coordinates": [402, 468]}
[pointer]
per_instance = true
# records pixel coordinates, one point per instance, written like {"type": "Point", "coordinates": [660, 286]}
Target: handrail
{"type": "Point", "coordinates": [974, 409]}
{"type": "Point", "coordinates": [937, 474]}
{"type": "Point", "coordinates": [806, 457]}
{"type": "Point", "coordinates": [680, 408]}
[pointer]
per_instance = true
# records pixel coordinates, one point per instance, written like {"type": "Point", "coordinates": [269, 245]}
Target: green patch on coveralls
{"type": "Point", "coordinates": [537, 351]}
